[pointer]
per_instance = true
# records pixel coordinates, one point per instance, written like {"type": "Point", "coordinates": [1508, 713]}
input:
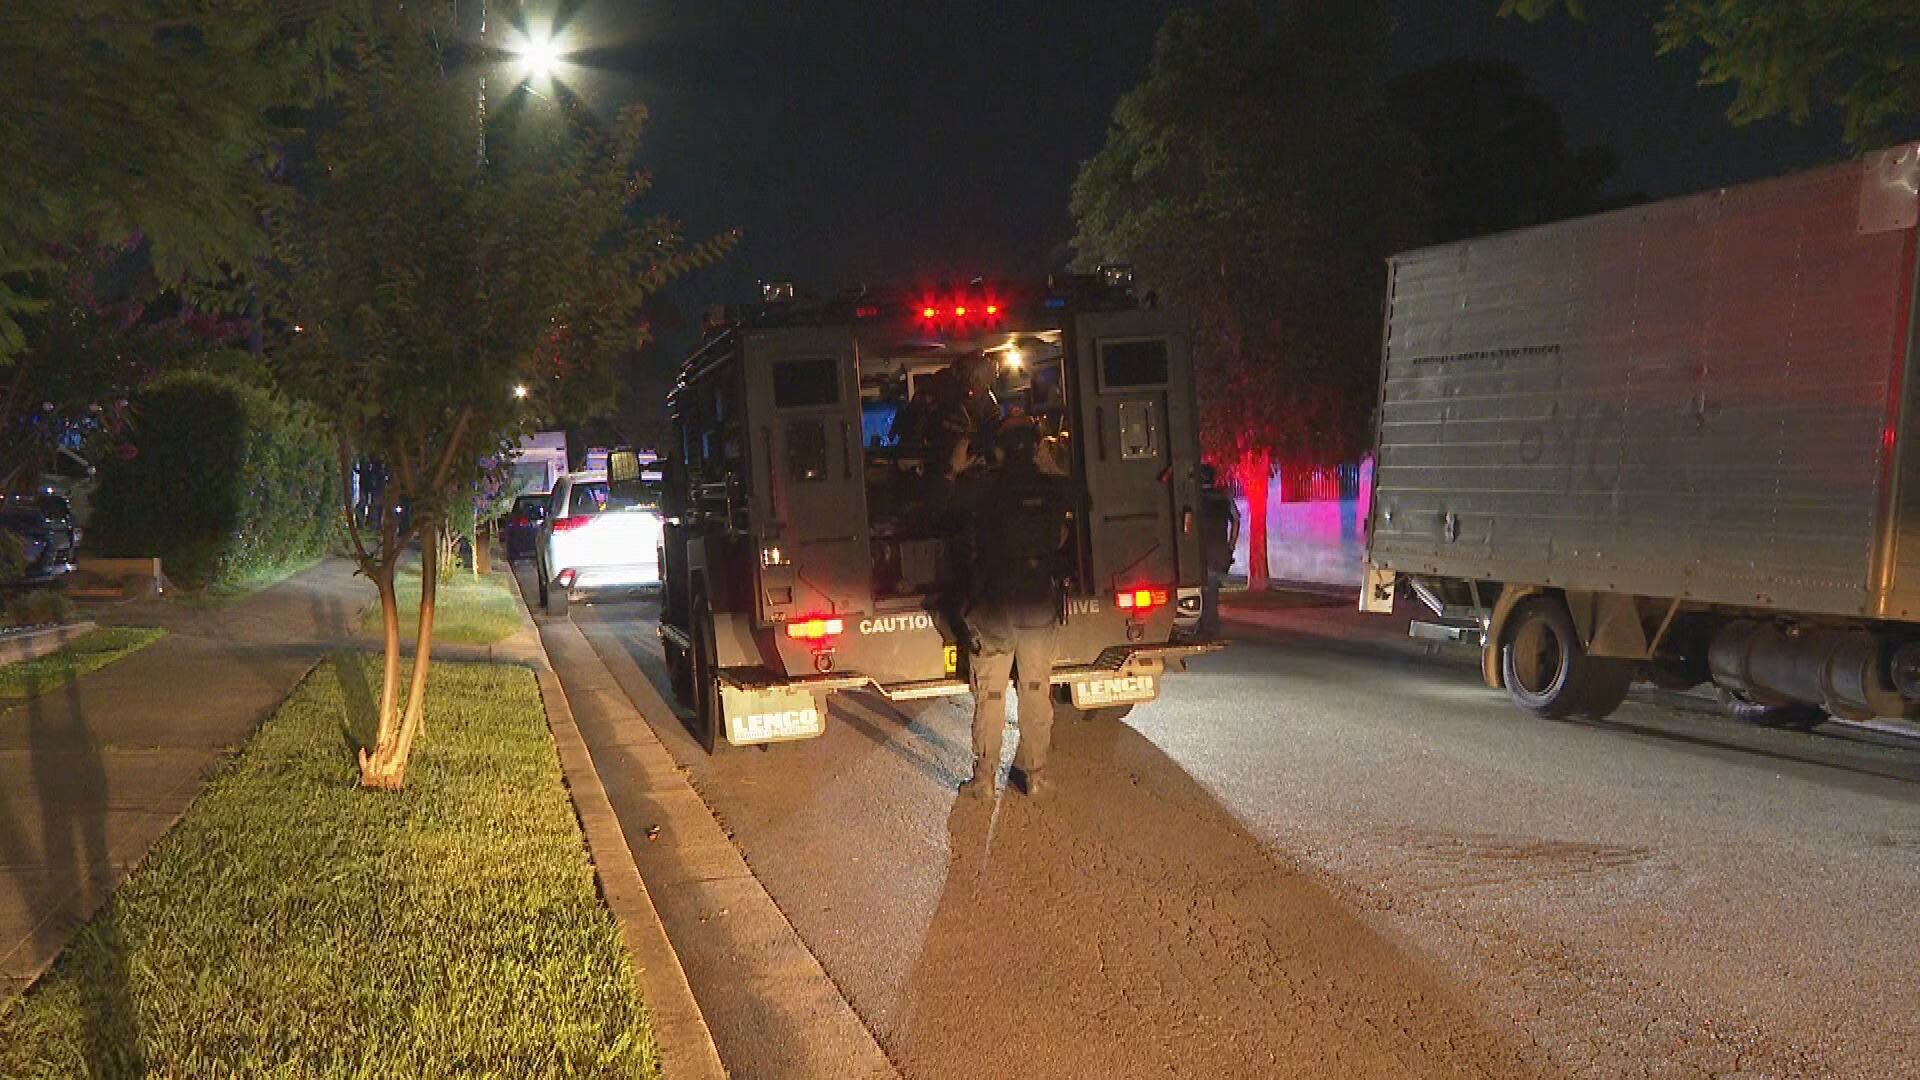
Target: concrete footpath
{"type": "Point", "coordinates": [92, 773]}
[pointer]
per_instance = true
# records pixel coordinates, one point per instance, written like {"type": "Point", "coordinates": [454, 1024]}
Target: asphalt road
{"type": "Point", "coordinates": [1328, 858]}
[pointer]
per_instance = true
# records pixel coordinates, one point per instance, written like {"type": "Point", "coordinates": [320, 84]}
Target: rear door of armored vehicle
{"type": "Point", "coordinates": [1138, 450]}
{"type": "Point", "coordinates": [809, 490]}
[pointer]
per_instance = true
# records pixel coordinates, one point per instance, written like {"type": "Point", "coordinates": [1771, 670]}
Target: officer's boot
{"type": "Point", "coordinates": [1031, 783]}
{"type": "Point", "coordinates": [980, 784]}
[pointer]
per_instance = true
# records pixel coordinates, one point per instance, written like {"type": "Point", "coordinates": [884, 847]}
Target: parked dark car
{"type": "Point", "coordinates": [523, 525]}
{"type": "Point", "coordinates": [47, 539]}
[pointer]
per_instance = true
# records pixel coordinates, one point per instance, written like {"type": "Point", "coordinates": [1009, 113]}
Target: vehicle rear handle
{"type": "Point", "coordinates": [846, 452]}
{"type": "Point", "coordinates": [773, 479]}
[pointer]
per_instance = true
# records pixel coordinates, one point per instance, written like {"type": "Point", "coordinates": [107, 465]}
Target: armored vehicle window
{"type": "Point", "coordinates": [1133, 363]}
{"type": "Point", "coordinates": [803, 384]}
{"type": "Point", "coordinates": [807, 450]}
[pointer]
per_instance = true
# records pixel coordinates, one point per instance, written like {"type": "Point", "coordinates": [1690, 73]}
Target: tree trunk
{"type": "Point", "coordinates": [1255, 471]}
{"type": "Point", "coordinates": [387, 766]}
{"type": "Point", "coordinates": [382, 574]}
{"type": "Point", "coordinates": [483, 551]}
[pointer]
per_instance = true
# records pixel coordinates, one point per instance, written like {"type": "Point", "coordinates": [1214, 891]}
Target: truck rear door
{"type": "Point", "coordinates": [1138, 447]}
{"type": "Point", "coordinates": [803, 395]}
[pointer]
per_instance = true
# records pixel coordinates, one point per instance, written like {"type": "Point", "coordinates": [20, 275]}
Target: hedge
{"type": "Point", "coordinates": [223, 480]}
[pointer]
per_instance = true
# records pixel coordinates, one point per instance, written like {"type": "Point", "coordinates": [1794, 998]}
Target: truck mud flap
{"type": "Point", "coordinates": [771, 714]}
{"type": "Point", "coordinates": [760, 707]}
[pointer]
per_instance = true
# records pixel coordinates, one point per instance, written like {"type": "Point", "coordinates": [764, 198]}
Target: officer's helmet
{"type": "Point", "coordinates": [1018, 439]}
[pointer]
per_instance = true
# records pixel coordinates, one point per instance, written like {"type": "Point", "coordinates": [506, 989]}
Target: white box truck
{"type": "Point", "coordinates": [1679, 441]}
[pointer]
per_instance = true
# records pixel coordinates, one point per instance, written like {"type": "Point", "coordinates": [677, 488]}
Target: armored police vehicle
{"type": "Point", "coordinates": [807, 549]}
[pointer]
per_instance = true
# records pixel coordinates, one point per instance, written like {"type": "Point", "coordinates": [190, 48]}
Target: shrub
{"type": "Point", "coordinates": [224, 481]}
{"type": "Point", "coordinates": [31, 607]}
{"type": "Point", "coordinates": [13, 557]}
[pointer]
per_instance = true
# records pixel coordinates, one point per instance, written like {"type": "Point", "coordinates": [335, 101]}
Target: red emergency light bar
{"type": "Point", "coordinates": [959, 310]}
{"type": "Point", "coordinates": [815, 629]}
{"type": "Point", "coordinates": [1140, 599]}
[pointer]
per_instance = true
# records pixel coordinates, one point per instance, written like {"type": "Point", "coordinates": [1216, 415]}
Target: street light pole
{"type": "Point", "coordinates": [471, 15]}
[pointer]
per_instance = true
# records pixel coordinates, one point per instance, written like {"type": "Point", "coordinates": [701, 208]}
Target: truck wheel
{"type": "Point", "coordinates": [1546, 671]}
{"type": "Point", "coordinates": [679, 673]}
{"type": "Point", "coordinates": [555, 600]}
{"type": "Point", "coordinates": [540, 574]}
{"type": "Point", "coordinates": [708, 718]}
{"type": "Point", "coordinates": [1782, 717]}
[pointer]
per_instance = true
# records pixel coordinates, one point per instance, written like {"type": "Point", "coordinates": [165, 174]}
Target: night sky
{"type": "Point", "coordinates": [882, 141]}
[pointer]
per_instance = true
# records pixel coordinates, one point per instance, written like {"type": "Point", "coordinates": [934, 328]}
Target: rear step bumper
{"type": "Point", "coordinates": [1119, 660]}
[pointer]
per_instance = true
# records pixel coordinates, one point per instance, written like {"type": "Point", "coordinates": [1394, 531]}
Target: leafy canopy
{"type": "Point", "coordinates": [152, 118]}
{"type": "Point", "coordinates": [1254, 180]}
{"type": "Point", "coordinates": [429, 282]}
{"type": "Point", "coordinates": [1496, 156]}
{"type": "Point", "coordinates": [1860, 56]}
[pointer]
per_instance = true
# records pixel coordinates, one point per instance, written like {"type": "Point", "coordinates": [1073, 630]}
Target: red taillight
{"type": "Point", "coordinates": [993, 309]}
{"type": "Point", "coordinates": [929, 312]}
{"type": "Point", "coordinates": [815, 629]}
{"type": "Point", "coordinates": [562, 524]}
{"type": "Point", "coordinates": [517, 523]}
{"type": "Point", "coordinates": [1140, 599]}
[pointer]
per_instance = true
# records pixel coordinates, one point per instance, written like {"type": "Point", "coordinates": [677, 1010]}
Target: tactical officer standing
{"type": "Point", "coordinates": [1012, 614]}
{"type": "Point", "coordinates": [1220, 524]}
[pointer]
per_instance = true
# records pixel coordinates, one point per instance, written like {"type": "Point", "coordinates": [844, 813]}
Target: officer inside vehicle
{"type": "Point", "coordinates": [952, 417]}
{"type": "Point", "coordinates": [1012, 611]}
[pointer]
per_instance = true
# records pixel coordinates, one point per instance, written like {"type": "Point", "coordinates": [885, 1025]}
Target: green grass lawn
{"type": "Point", "coordinates": [292, 925]}
{"type": "Point", "coordinates": [471, 611]}
{"type": "Point", "coordinates": [90, 651]}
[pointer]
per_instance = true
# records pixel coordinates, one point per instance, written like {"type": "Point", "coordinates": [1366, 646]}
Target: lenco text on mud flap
{"type": "Point", "coordinates": [772, 714]}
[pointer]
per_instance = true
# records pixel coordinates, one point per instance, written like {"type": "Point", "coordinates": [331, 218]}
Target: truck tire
{"type": "Point", "coordinates": [1781, 717]}
{"type": "Point", "coordinates": [555, 600]}
{"type": "Point", "coordinates": [540, 575]}
{"type": "Point", "coordinates": [679, 672]}
{"type": "Point", "coordinates": [708, 717]}
{"type": "Point", "coordinates": [1549, 674]}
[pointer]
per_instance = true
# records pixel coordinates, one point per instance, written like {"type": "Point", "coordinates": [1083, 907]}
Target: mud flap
{"type": "Point", "coordinates": [1376, 594]}
{"type": "Point", "coordinates": [771, 714]}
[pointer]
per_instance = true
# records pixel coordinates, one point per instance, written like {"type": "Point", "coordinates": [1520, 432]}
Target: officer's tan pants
{"type": "Point", "coordinates": [1033, 653]}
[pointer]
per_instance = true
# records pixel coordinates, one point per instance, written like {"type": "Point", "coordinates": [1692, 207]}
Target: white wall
{"type": "Point", "coordinates": [1323, 542]}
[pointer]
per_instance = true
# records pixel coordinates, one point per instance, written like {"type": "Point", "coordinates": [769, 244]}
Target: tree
{"type": "Point", "coordinates": [430, 282]}
{"type": "Point", "coordinates": [151, 119]}
{"type": "Point", "coordinates": [1860, 56]}
{"type": "Point", "coordinates": [94, 338]}
{"type": "Point", "coordinates": [1496, 157]}
{"type": "Point", "coordinates": [1254, 180]}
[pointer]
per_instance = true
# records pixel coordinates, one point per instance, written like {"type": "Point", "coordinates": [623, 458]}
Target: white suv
{"type": "Point", "coordinates": [597, 536]}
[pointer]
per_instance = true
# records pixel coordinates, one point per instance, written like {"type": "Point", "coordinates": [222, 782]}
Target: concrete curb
{"type": "Point", "coordinates": [679, 1028]}
{"type": "Point", "coordinates": [34, 644]}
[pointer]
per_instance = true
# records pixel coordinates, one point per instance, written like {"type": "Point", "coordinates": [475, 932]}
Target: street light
{"type": "Point", "coordinates": [539, 56]}
{"type": "Point", "coordinates": [520, 391]}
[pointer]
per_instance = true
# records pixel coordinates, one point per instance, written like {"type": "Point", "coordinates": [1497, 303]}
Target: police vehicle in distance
{"type": "Point", "coordinates": [806, 551]}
